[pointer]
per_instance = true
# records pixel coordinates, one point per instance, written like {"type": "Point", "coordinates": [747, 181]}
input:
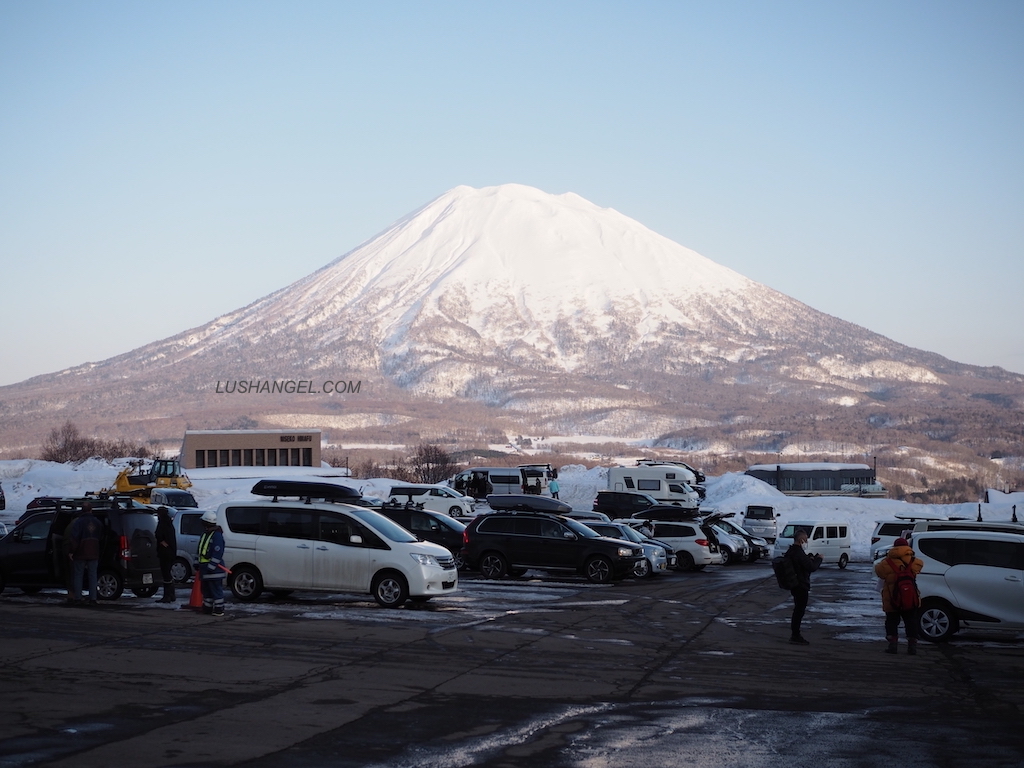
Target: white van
{"type": "Point", "coordinates": [481, 482]}
{"type": "Point", "coordinates": [307, 538]}
{"type": "Point", "coordinates": [663, 482]}
{"type": "Point", "coordinates": [437, 498]}
{"type": "Point", "coordinates": [830, 540]}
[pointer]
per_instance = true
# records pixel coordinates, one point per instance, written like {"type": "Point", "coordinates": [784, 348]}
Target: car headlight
{"type": "Point", "coordinates": [428, 560]}
{"type": "Point", "coordinates": [659, 552]}
{"type": "Point", "coordinates": [625, 552]}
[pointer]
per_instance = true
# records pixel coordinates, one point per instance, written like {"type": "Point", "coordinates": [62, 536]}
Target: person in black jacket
{"type": "Point", "coordinates": [166, 550]}
{"type": "Point", "coordinates": [804, 564]}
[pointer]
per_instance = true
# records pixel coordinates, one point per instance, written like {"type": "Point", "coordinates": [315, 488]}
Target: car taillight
{"type": "Point", "coordinates": [465, 535]}
{"type": "Point", "coordinates": [126, 552]}
{"type": "Point", "coordinates": [702, 542]}
{"type": "Point", "coordinates": [875, 539]}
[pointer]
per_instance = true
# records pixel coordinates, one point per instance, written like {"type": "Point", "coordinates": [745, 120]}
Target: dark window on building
{"type": "Point", "coordinates": [200, 459]}
{"type": "Point", "coordinates": [283, 457]}
{"type": "Point", "coordinates": [247, 457]}
{"type": "Point", "coordinates": [271, 457]}
{"type": "Point", "coordinates": [211, 458]}
{"type": "Point", "coordinates": [307, 457]}
{"type": "Point", "coordinates": [225, 461]}
{"type": "Point", "coordinates": [261, 457]}
{"type": "Point", "coordinates": [236, 457]}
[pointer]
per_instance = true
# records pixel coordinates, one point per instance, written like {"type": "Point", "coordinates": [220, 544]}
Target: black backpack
{"type": "Point", "coordinates": [785, 572]}
{"type": "Point", "coordinates": [905, 594]}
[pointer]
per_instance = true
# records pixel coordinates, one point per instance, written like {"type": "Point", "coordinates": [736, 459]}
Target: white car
{"type": "Point", "coordinates": [655, 557]}
{"type": "Point", "coordinates": [317, 544]}
{"type": "Point", "coordinates": [437, 498]}
{"type": "Point", "coordinates": [971, 579]}
{"type": "Point", "coordinates": [694, 550]}
{"type": "Point", "coordinates": [735, 549]}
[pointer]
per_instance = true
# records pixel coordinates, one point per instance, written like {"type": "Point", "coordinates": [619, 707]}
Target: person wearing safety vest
{"type": "Point", "coordinates": [211, 565]}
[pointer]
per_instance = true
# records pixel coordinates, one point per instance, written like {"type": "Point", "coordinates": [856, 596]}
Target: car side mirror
{"type": "Point", "coordinates": [355, 538]}
{"type": "Point", "coordinates": [570, 535]}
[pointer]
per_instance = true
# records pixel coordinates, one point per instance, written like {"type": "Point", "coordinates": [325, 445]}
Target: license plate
{"type": "Point", "coordinates": [147, 578]}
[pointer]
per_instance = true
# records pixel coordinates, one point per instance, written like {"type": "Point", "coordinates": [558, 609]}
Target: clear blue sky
{"type": "Point", "coordinates": [162, 163]}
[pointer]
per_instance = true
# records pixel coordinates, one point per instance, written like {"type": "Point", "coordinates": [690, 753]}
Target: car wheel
{"type": "Point", "coordinates": [246, 583]}
{"type": "Point", "coordinates": [843, 560]}
{"type": "Point", "coordinates": [937, 622]}
{"type": "Point", "coordinates": [730, 557]}
{"type": "Point", "coordinates": [181, 570]}
{"type": "Point", "coordinates": [598, 570]}
{"type": "Point", "coordinates": [109, 585]}
{"type": "Point", "coordinates": [459, 560]}
{"type": "Point", "coordinates": [147, 591]}
{"type": "Point", "coordinates": [454, 511]}
{"type": "Point", "coordinates": [643, 569]}
{"type": "Point", "coordinates": [390, 589]}
{"type": "Point", "coordinates": [517, 572]}
{"type": "Point", "coordinates": [684, 561]}
{"type": "Point", "coordinates": [493, 566]}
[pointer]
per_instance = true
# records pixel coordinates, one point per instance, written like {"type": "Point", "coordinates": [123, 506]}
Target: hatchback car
{"type": "Point", "coordinates": [758, 546]}
{"type": "Point", "coordinates": [188, 528]}
{"type": "Point", "coordinates": [511, 542]}
{"type": "Point", "coordinates": [656, 555]}
{"type": "Point", "coordinates": [970, 579]}
{"type": "Point", "coordinates": [32, 555]}
{"type": "Point", "coordinates": [694, 549]}
{"type": "Point", "coordinates": [623, 503]}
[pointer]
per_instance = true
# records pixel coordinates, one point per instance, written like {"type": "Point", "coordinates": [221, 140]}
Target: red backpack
{"type": "Point", "coordinates": [905, 595]}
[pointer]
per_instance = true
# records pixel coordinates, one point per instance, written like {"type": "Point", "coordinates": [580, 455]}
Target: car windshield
{"type": "Point", "coordinates": [180, 499]}
{"type": "Point", "coordinates": [383, 526]}
{"type": "Point", "coordinates": [628, 534]}
{"type": "Point", "coordinates": [580, 529]}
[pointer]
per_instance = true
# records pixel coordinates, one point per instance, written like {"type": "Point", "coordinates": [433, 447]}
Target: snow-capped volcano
{"type": "Point", "coordinates": [482, 283]}
{"type": "Point", "coordinates": [546, 311]}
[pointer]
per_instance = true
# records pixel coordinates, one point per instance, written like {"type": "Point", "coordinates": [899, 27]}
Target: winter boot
{"type": "Point", "coordinates": [912, 646]}
{"type": "Point", "coordinates": [168, 593]}
{"type": "Point", "coordinates": [892, 644]}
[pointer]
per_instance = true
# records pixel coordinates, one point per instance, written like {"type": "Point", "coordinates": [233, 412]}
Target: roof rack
{"type": "Point", "coordinates": [305, 489]}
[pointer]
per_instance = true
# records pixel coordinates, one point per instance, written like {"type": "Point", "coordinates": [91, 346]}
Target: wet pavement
{"type": "Point", "coordinates": [690, 669]}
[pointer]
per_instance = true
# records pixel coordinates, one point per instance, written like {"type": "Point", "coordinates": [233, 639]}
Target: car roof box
{"type": "Point", "coordinates": [524, 501]}
{"type": "Point", "coordinates": [305, 489]}
{"type": "Point", "coordinates": [667, 513]}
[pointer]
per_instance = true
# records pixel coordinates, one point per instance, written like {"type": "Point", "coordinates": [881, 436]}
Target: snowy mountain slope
{"type": "Point", "coordinates": [555, 311]}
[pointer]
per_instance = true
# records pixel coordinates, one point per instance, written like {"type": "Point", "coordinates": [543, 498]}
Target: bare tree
{"type": "Point", "coordinates": [431, 464]}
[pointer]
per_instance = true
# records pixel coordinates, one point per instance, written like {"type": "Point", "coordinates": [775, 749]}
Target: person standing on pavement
{"type": "Point", "coordinates": [211, 565]}
{"type": "Point", "coordinates": [166, 550]}
{"type": "Point", "coordinates": [553, 487]}
{"type": "Point", "coordinates": [899, 559]}
{"type": "Point", "coordinates": [86, 533]}
{"type": "Point", "coordinates": [804, 564]}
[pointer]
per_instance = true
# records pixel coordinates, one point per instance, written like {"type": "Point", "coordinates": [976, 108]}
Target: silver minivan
{"type": "Point", "coordinates": [760, 521]}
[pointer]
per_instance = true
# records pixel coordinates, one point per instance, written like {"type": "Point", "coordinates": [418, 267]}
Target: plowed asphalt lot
{"type": "Point", "coordinates": [682, 669]}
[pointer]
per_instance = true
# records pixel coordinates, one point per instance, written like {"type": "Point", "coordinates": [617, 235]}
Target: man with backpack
{"type": "Point", "coordinates": [803, 565]}
{"type": "Point", "coordinates": [900, 597]}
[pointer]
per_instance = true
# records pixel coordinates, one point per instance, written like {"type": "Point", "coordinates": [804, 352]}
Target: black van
{"type": "Point", "coordinates": [428, 525]}
{"type": "Point", "coordinates": [32, 555]}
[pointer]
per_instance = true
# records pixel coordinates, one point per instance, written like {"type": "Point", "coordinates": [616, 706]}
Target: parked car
{"type": "Point", "coordinates": [759, 519]}
{"type": "Point", "coordinates": [694, 550]}
{"type": "Point", "coordinates": [623, 503]}
{"type": "Point", "coordinates": [3, 529]}
{"type": "Point", "coordinates": [175, 498]}
{"type": "Point", "coordinates": [734, 548]}
{"type": "Point", "coordinates": [309, 538]}
{"type": "Point", "coordinates": [188, 528]}
{"type": "Point", "coordinates": [429, 525]}
{"type": "Point", "coordinates": [438, 498]}
{"type": "Point", "coordinates": [758, 547]}
{"type": "Point", "coordinates": [887, 531]}
{"type": "Point", "coordinates": [656, 557]}
{"type": "Point", "coordinates": [3, 498]}
{"type": "Point", "coordinates": [971, 579]}
{"type": "Point", "coordinates": [509, 542]}
{"type": "Point", "coordinates": [31, 556]}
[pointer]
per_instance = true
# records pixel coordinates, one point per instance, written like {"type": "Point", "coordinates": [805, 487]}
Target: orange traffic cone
{"type": "Point", "coordinates": [195, 601]}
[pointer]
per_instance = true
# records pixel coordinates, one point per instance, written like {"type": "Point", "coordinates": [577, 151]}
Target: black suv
{"type": "Point", "coordinates": [512, 541]}
{"type": "Point", "coordinates": [32, 555]}
{"type": "Point", "coordinates": [429, 525]}
{"type": "Point", "coordinates": [618, 504]}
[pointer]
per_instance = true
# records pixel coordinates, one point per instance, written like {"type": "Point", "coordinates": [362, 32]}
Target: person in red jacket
{"type": "Point", "coordinates": [900, 558]}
